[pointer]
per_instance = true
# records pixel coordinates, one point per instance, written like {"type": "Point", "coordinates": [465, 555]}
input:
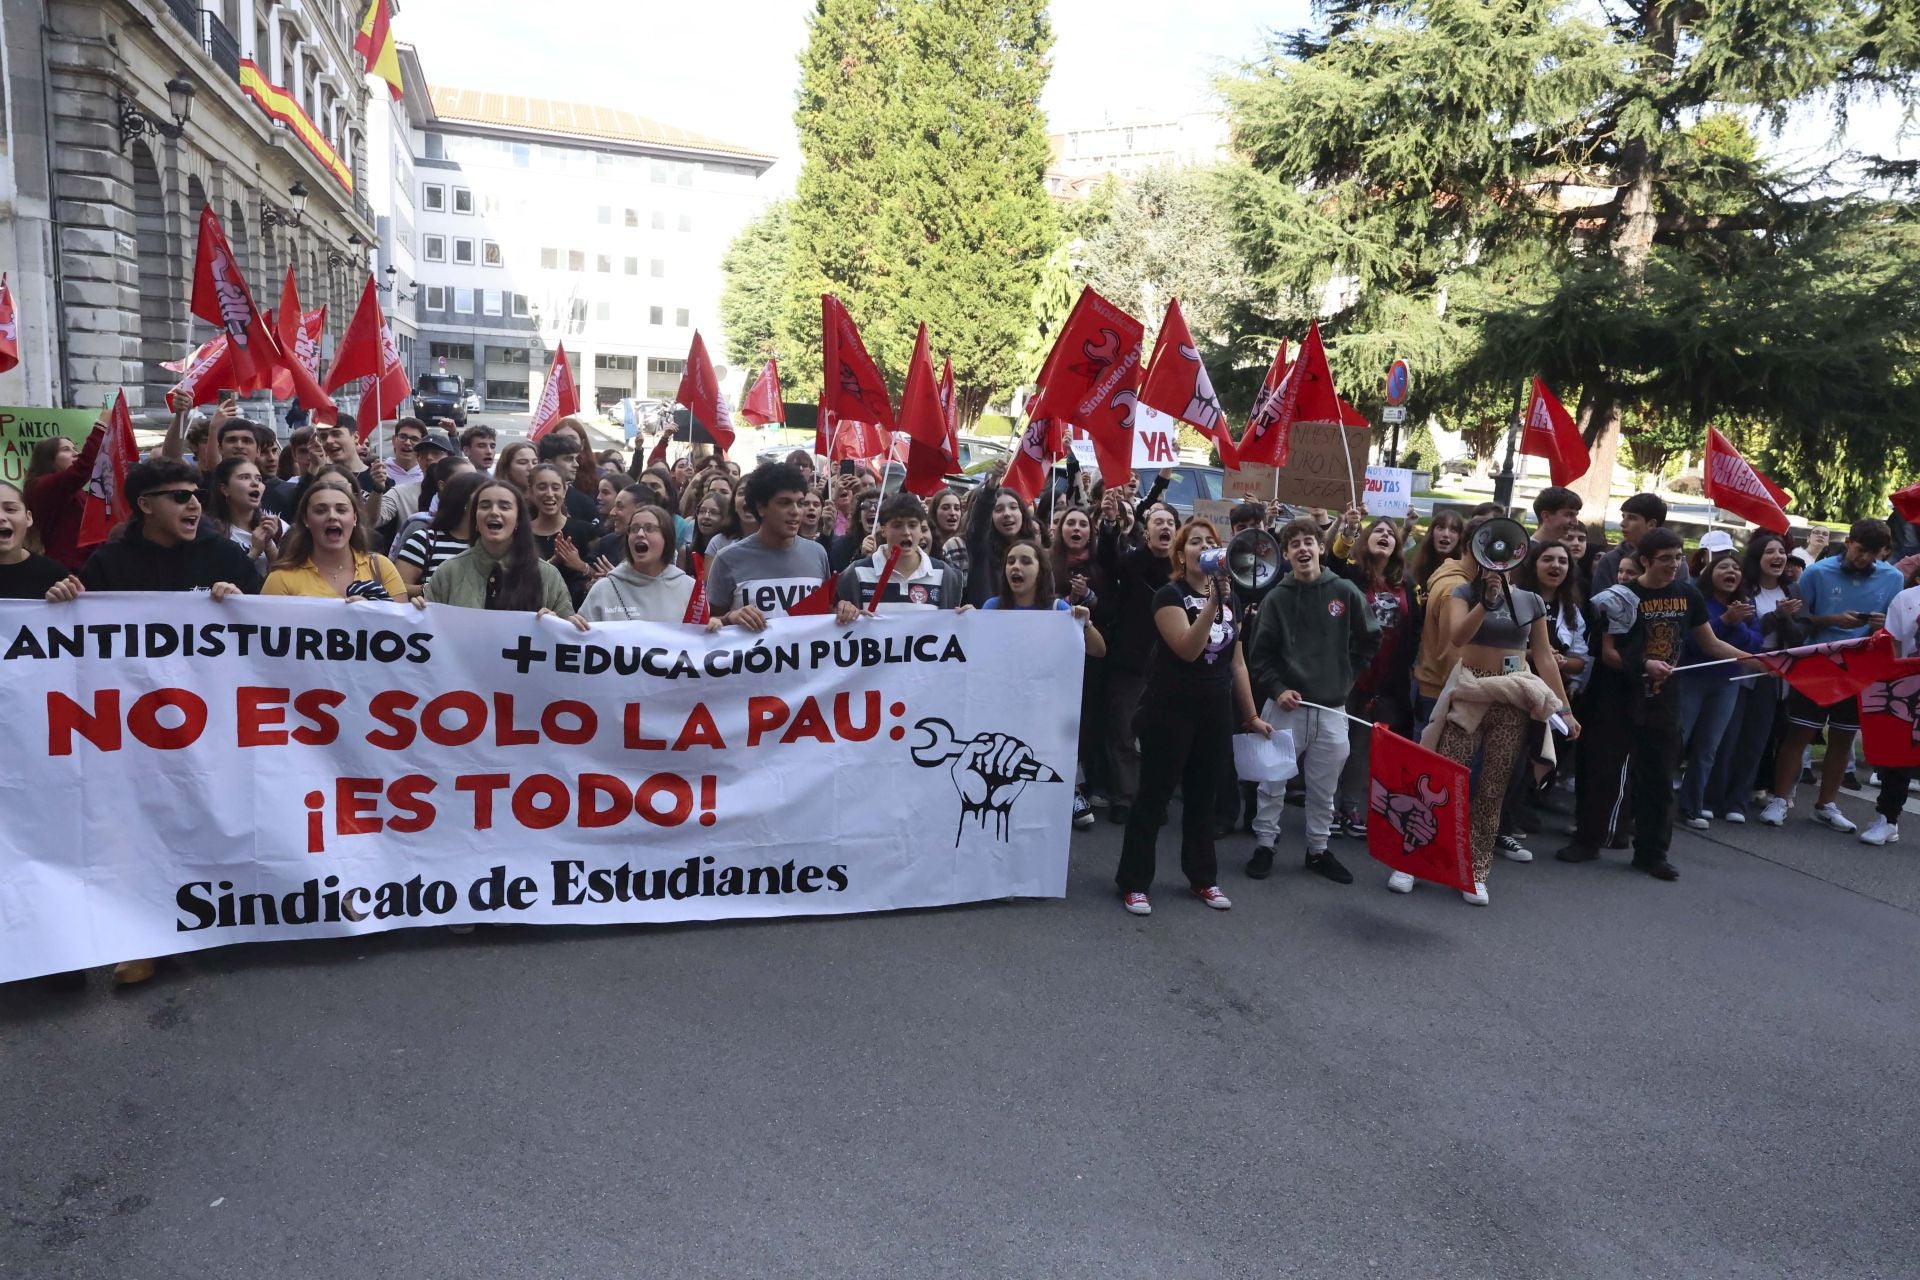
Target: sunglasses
{"type": "Point", "coordinates": [180, 497]}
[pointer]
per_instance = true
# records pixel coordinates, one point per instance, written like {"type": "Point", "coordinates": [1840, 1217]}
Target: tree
{"type": "Point", "coordinates": [921, 194]}
{"type": "Point", "coordinates": [754, 297]}
{"type": "Point", "coordinates": [1512, 187]}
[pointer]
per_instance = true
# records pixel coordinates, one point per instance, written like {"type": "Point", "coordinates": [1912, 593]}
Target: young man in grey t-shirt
{"type": "Point", "coordinates": [762, 576]}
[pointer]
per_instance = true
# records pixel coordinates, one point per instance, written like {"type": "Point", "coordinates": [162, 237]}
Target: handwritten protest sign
{"type": "Point", "coordinates": [21, 428]}
{"type": "Point", "coordinates": [1315, 475]}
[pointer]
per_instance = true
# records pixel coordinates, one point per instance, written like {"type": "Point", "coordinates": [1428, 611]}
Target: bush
{"type": "Point", "coordinates": [1418, 451]}
{"type": "Point", "coordinates": [993, 424]}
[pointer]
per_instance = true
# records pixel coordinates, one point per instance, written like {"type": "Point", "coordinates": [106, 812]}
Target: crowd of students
{"type": "Point", "coordinates": [1564, 685]}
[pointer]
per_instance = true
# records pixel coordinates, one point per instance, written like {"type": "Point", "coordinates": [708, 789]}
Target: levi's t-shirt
{"type": "Point", "coordinates": [749, 572]}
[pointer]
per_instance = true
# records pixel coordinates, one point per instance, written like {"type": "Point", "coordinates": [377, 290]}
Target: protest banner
{"type": "Point", "coordinates": [22, 427]}
{"type": "Point", "coordinates": [271, 769]}
{"type": "Point", "coordinates": [1156, 439]}
{"type": "Point", "coordinates": [1315, 475]}
{"type": "Point", "coordinates": [1389, 491]}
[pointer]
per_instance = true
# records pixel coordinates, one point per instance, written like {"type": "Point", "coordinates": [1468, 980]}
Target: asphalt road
{"type": "Point", "coordinates": [1600, 1075]}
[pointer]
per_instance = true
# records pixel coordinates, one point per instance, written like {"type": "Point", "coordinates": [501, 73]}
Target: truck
{"type": "Point", "coordinates": [440, 395]}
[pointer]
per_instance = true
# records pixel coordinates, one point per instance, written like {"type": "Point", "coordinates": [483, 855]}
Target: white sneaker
{"type": "Point", "coordinates": [1774, 812]}
{"type": "Point", "coordinates": [1829, 815]}
{"type": "Point", "coordinates": [1478, 898]}
{"type": "Point", "coordinates": [1699, 822]}
{"type": "Point", "coordinates": [1137, 904]}
{"type": "Point", "coordinates": [1400, 882]}
{"type": "Point", "coordinates": [1734, 816]}
{"type": "Point", "coordinates": [1881, 832]}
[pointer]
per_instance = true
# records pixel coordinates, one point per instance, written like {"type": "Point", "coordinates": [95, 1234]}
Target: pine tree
{"type": "Point", "coordinates": [921, 195]}
{"type": "Point", "coordinates": [1496, 188]}
{"type": "Point", "coordinates": [754, 297]}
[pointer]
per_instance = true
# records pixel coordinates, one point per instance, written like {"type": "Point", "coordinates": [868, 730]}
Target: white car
{"type": "Point", "coordinates": [474, 403]}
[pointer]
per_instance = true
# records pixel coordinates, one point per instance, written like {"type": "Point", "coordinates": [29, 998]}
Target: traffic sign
{"type": "Point", "coordinates": [1394, 413]}
{"type": "Point", "coordinates": [1399, 384]}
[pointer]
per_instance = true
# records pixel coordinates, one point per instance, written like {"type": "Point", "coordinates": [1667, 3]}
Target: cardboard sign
{"type": "Point", "coordinates": [1216, 510]}
{"type": "Point", "coordinates": [1389, 491]}
{"type": "Point", "coordinates": [1156, 439]}
{"type": "Point", "coordinates": [1317, 475]}
{"type": "Point", "coordinates": [1250, 482]}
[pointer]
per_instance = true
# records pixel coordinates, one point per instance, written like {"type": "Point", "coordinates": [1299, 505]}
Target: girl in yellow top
{"type": "Point", "coordinates": [325, 552]}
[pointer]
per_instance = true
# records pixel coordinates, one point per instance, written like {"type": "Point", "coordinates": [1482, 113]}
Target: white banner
{"type": "Point", "coordinates": [188, 774]}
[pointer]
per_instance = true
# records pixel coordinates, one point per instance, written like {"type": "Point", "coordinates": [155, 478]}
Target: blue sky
{"type": "Point", "coordinates": [728, 68]}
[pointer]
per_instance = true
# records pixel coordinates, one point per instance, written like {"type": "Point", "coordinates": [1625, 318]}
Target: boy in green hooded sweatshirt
{"type": "Point", "coordinates": [1314, 636]}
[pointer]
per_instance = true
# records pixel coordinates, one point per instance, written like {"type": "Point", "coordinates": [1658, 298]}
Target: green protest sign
{"type": "Point", "coordinates": [22, 427]}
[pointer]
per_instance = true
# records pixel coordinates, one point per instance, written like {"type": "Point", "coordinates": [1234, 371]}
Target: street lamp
{"type": "Point", "coordinates": [296, 208]}
{"type": "Point", "coordinates": [135, 123]}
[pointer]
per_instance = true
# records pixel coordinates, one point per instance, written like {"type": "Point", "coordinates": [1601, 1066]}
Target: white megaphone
{"type": "Point", "coordinates": [1252, 559]}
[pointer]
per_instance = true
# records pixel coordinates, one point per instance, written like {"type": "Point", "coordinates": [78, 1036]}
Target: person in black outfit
{"type": "Point", "coordinates": [24, 574]}
{"type": "Point", "coordinates": [160, 548]}
{"type": "Point", "coordinates": [1197, 690]}
{"type": "Point", "coordinates": [1135, 576]}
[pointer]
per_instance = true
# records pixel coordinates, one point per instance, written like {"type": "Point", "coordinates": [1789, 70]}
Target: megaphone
{"type": "Point", "coordinates": [1499, 545]}
{"type": "Point", "coordinates": [1252, 559]}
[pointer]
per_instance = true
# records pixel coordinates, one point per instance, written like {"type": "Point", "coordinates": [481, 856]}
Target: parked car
{"type": "Point", "coordinates": [475, 403]}
{"type": "Point", "coordinates": [440, 395]}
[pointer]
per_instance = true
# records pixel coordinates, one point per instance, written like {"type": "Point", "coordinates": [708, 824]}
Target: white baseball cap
{"type": "Point", "coordinates": [1716, 540]}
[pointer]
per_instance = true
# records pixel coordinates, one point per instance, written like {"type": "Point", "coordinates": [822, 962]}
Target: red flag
{"type": "Point", "coordinates": [886, 576]}
{"type": "Point", "coordinates": [658, 458]}
{"type": "Point", "coordinates": [221, 298]}
{"type": "Point", "coordinates": [106, 501]}
{"type": "Point", "coordinates": [762, 403]}
{"type": "Point", "coordinates": [1302, 392]}
{"type": "Point", "coordinates": [1177, 384]}
{"type": "Point", "coordinates": [1890, 721]}
{"type": "Point", "coordinates": [1549, 432]}
{"type": "Point", "coordinates": [858, 440]}
{"type": "Point", "coordinates": [367, 353]}
{"type": "Point", "coordinates": [700, 393]}
{"type": "Point", "coordinates": [9, 328]}
{"type": "Point", "coordinates": [1733, 484]}
{"type": "Point", "coordinates": [924, 421]}
{"type": "Point", "coordinates": [854, 389]}
{"type": "Point", "coordinates": [1091, 379]}
{"type": "Point", "coordinates": [697, 602]}
{"type": "Point", "coordinates": [1834, 672]}
{"type": "Point", "coordinates": [1039, 447]}
{"type": "Point", "coordinates": [1907, 503]}
{"type": "Point", "coordinates": [949, 403]}
{"type": "Point", "coordinates": [1418, 815]}
{"type": "Point", "coordinates": [819, 600]}
{"type": "Point", "coordinates": [206, 373]}
{"type": "Point", "coordinates": [559, 398]}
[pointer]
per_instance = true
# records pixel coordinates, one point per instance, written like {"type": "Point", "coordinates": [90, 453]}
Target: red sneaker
{"type": "Point", "coordinates": [1212, 896]}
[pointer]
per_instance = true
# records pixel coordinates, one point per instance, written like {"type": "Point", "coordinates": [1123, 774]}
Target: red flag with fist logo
{"type": "Point", "coordinates": [1177, 384]}
{"type": "Point", "coordinates": [1092, 379]}
{"type": "Point", "coordinates": [1418, 812]}
{"type": "Point", "coordinates": [106, 505]}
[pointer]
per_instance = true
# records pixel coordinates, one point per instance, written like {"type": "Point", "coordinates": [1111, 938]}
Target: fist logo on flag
{"type": "Point", "coordinates": [990, 770]}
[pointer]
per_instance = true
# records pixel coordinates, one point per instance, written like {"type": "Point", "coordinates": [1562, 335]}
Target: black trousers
{"type": "Point", "coordinates": [1656, 762]}
{"type": "Point", "coordinates": [1893, 793]}
{"type": "Point", "coordinates": [1185, 746]}
{"type": "Point", "coordinates": [1600, 775]}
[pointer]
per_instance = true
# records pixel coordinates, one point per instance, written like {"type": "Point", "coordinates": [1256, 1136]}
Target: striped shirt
{"type": "Point", "coordinates": [426, 551]}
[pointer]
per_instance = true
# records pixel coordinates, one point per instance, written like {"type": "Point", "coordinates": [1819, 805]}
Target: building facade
{"type": "Point", "coordinates": [105, 177]}
{"type": "Point", "coordinates": [538, 223]}
{"type": "Point", "coordinates": [1080, 158]}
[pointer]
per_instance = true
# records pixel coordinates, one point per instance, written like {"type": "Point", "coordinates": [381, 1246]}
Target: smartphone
{"type": "Point", "coordinates": [229, 396]}
{"type": "Point", "coordinates": [847, 466]}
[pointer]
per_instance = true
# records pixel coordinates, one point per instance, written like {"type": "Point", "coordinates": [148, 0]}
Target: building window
{"type": "Point", "coordinates": [433, 197]}
{"type": "Point", "coordinates": [508, 355]}
{"type": "Point", "coordinates": [603, 311]}
{"type": "Point", "coordinates": [577, 314]}
{"type": "Point", "coordinates": [436, 297]}
{"type": "Point", "coordinates": [605, 216]}
{"type": "Point", "coordinates": [438, 351]}
{"type": "Point", "coordinates": [686, 222]}
{"type": "Point", "coordinates": [659, 219]}
{"type": "Point", "coordinates": [657, 171]}
{"type": "Point", "coordinates": [657, 268]}
{"type": "Point", "coordinates": [633, 217]}
{"type": "Point", "coordinates": [614, 364]}
{"type": "Point", "coordinates": [520, 306]}
{"type": "Point", "coordinates": [656, 315]}
{"type": "Point", "coordinates": [433, 248]}
{"type": "Point", "coordinates": [462, 200]}
{"type": "Point", "coordinates": [550, 259]}
{"type": "Point", "coordinates": [666, 366]}
{"type": "Point", "coordinates": [492, 302]}
{"type": "Point", "coordinates": [463, 301]}
{"type": "Point", "coordinates": [490, 253]}
{"type": "Point", "coordinates": [685, 177]}
{"type": "Point", "coordinates": [436, 145]}
{"type": "Point", "coordinates": [506, 390]}
{"type": "Point", "coordinates": [576, 259]}
{"type": "Point", "coordinates": [605, 264]}
{"type": "Point", "coordinates": [633, 266]}
{"type": "Point", "coordinates": [463, 251]}
{"type": "Point", "coordinates": [682, 317]}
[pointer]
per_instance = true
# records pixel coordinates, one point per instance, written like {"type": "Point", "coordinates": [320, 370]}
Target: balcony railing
{"type": "Point", "coordinates": [219, 44]}
{"type": "Point", "coordinates": [187, 14]}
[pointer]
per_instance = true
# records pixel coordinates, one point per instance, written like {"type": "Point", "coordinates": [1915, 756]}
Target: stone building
{"type": "Point", "coordinates": [123, 118]}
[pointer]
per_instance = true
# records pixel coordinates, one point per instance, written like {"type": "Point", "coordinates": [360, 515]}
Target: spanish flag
{"type": "Point", "coordinates": [375, 44]}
